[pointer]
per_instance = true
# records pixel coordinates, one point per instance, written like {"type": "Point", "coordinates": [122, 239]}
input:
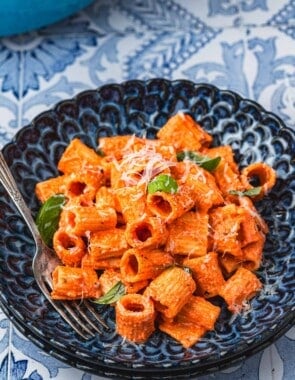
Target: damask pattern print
{"type": "Point", "coordinates": [180, 36]}
{"type": "Point", "coordinates": [42, 57]}
{"type": "Point", "coordinates": [272, 72]}
{"type": "Point", "coordinates": [231, 7]}
{"type": "Point", "coordinates": [228, 74]}
{"type": "Point", "coordinates": [17, 369]}
{"type": "Point", "coordinates": [28, 60]}
{"type": "Point", "coordinates": [114, 40]}
{"type": "Point", "coordinates": [285, 19]}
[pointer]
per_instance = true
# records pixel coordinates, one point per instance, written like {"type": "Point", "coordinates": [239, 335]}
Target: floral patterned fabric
{"type": "Point", "coordinates": [243, 45]}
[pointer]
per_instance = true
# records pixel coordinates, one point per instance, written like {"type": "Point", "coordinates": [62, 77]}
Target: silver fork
{"type": "Point", "coordinates": [80, 315]}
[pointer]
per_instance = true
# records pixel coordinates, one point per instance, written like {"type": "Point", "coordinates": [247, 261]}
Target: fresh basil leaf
{"type": "Point", "coordinates": [210, 164]}
{"type": "Point", "coordinates": [113, 295]}
{"type": "Point", "coordinates": [247, 193]}
{"type": "Point", "coordinates": [205, 162]}
{"type": "Point", "coordinates": [163, 182]}
{"type": "Point", "coordinates": [48, 217]}
{"type": "Point", "coordinates": [100, 152]}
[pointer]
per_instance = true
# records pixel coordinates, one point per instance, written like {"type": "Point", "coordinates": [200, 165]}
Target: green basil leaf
{"type": "Point", "coordinates": [247, 193]}
{"type": "Point", "coordinates": [205, 162]}
{"type": "Point", "coordinates": [113, 295]}
{"type": "Point", "coordinates": [48, 217]}
{"type": "Point", "coordinates": [100, 152]}
{"type": "Point", "coordinates": [163, 182]}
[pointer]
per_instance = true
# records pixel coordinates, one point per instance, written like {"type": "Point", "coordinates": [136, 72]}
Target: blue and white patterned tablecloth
{"type": "Point", "coordinates": [243, 45]}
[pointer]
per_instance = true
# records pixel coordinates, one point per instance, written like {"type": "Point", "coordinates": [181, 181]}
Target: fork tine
{"type": "Point", "coordinates": [68, 316]}
{"type": "Point", "coordinates": [75, 315]}
{"type": "Point", "coordinates": [71, 316]}
{"type": "Point", "coordinates": [85, 316]}
{"type": "Point", "coordinates": [86, 335]}
{"type": "Point", "coordinates": [77, 319]}
{"type": "Point", "coordinates": [94, 314]}
{"type": "Point", "coordinates": [81, 313]}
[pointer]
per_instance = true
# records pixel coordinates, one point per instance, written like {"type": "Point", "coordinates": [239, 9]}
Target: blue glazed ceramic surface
{"type": "Point", "coordinates": [142, 107]}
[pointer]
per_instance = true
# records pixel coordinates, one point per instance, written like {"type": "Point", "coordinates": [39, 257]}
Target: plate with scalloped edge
{"type": "Point", "coordinates": [141, 108]}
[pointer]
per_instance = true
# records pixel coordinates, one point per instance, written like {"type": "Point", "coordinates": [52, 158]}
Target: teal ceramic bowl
{"type": "Point", "coordinates": [20, 16]}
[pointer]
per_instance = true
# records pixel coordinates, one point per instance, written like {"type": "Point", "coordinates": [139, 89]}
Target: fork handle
{"type": "Point", "coordinates": [7, 180]}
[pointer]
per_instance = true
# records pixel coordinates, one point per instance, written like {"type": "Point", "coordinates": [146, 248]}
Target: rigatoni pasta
{"type": "Point", "coordinates": [188, 235]}
{"type": "Point", "coordinates": [70, 248]}
{"type": "Point", "coordinates": [108, 243]}
{"type": "Point", "coordinates": [144, 264]}
{"type": "Point", "coordinates": [207, 273]}
{"type": "Point", "coordinates": [239, 288]}
{"type": "Point", "coordinates": [81, 220]}
{"type": "Point", "coordinates": [171, 290]}
{"type": "Point", "coordinates": [171, 220]}
{"type": "Point", "coordinates": [135, 317]}
{"type": "Point", "coordinates": [150, 231]}
{"type": "Point", "coordinates": [74, 283]}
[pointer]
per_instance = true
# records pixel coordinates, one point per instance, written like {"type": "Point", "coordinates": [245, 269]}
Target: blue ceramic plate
{"type": "Point", "coordinates": [143, 107]}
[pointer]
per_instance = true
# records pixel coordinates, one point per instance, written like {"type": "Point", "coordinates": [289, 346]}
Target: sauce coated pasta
{"type": "Point", "coordinates": [171, 219]}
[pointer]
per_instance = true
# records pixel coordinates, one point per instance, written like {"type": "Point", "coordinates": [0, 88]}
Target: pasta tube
{"type": "Point", "coordinates": [183, 133]}
{"type": "Point", "coordinates": [227, 179]}
{"type": "Point", "coordinates": [105, 198]}
{"type": "Point", "coordinates": [252, 241]}
{"type": "Point", "coordinates": [187, 333]}
{"type": "Point", "coordinates": [188, 235]}
{"type": "Point", "coordinates": [252, 253]}
{"type": "Point", "coordinates": [118, 146]}
{"type": "Point", "coordinates": [252, 259]}
{"type": "Point", "coordinates": [170, 206]}
{"type": "Point", "coordinates": [239, 288]}
{"type": "Point", "coordinates": [83, 220]}
{"type": "Point", "coordinates": [148, 231]}
{"type": "Point", "coordinates": [78, 155]}
{"type": "Point", "coordinates": [52, 186]}
{"type": "Point", "coordinates": [195, 318]}
{"type": "Point", "coordinates": [93, 263]}
{"type": "Point", "coordinates": [70, 283]}
{"type": "Point", "coordinates": [69, 248]}
{"type": "Point", "coordinates": [171, 290]}
{"type": "Point", "coordinates": [207, 274]}
{"type": "Point", "coordinates": [227, 172]}
{"type": "Point", "coordinates": [107, 243]}
{"type": "Point", "coordinates": [227, 155]}
{"type": "Point", "coordinates": [248, 205]}
{"type": "Point", "coordinates": [84, 183]}
{"type": "Point", "coordinates": [262, 172]}
{"type": "Point", "coordinates": [202, 183]}
{"type": "Point", "coordinates": [226, 223]}
{"type": "Point", "coordinates": [199, 311]}
{"type": "Point", "coordinates": [143, 264]}
{"type": "Point", "coordinates": [135, 317]}
{"type": "Point", "coordinates": [131, 202]}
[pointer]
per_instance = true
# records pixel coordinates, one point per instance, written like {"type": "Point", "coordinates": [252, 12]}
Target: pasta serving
{"type": "Point", "coordinates": [172, 219]}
